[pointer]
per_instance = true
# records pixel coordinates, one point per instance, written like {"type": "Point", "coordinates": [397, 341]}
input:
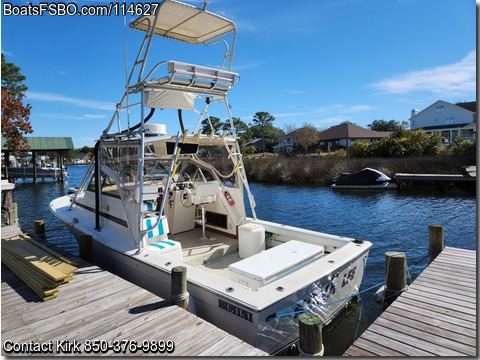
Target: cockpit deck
{"type": "Point", "coordinates": [213, 255]}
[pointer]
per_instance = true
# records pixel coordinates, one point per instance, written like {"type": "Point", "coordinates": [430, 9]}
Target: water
{"type": "Point", "coordinates": [392, 221]}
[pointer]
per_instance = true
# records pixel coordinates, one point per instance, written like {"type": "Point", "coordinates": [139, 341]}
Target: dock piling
{"type": "Point", "coordinates": [179, 294]}
{"type": "Point", "coordinates": [310, 334]}
{"type": "Point", "coordinates": [85, 247]}
{"type": "Point", "coordinates": [395, 270]}
{"type": "Point", "coordinates": [39, 228]}
{"type": "Point", "coordinates": [435, 240]}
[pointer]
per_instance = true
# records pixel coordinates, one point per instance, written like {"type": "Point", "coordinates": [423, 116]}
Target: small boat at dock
{"type": "Point", "coordinates": [153, 200]}
{"type": "Point", "coordinates": [44, 172]}
{"type": "Point", "coordinates": [367, 178]}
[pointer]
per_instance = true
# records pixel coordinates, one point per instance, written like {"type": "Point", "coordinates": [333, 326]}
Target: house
{"type": "Point", "coordinates": [286, 143]}
{"type": "Point", "coordinates": [344, 135]}
{"type": "Point", "coordinates": [258, 143]}
{"type": "Point", "coordinates": [447, 119]}
{"type": "Point", "coordinates": [305, 135]}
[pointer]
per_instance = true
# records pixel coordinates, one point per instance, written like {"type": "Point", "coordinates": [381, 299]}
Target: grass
{"type": "Point", "coordinates": [320, 171]}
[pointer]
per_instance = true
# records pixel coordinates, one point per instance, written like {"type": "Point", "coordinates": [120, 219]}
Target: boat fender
{"type": "Point", "coordinates": [229, 198]}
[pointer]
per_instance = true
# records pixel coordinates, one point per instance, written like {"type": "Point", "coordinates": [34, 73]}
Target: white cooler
{"type": "Point", "coordinates": [251, 239]}
{"type": "Point", "coordinates": [271, 264]}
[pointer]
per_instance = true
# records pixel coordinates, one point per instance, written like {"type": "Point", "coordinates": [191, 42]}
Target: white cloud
{"type": "Point", "coordinates": [358, 108]}
{"type": "Point", "coordinates": [71, 116]}
{"type": "Point", "coordinates": [450, 79]}
{"type": "Point", "coordinates": [92, 104]}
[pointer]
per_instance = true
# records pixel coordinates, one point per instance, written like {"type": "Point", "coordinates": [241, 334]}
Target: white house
{"type": "Point", "coordinates": [447, 119]}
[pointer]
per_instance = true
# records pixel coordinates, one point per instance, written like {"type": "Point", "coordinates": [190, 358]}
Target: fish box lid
{"type": "Point", "coordinates": [277, 261]}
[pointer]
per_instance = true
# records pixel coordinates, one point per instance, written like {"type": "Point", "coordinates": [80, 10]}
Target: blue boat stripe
{"type": "Point", "coordinates": [149, 226]}
{"type": "Point", "coordinates": [167, 242]}
{"type": "Point", "coordinates": [158, 245]}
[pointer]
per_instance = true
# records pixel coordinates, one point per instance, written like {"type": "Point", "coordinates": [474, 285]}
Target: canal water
{"type": "Point", "coordinates": [391, 220]}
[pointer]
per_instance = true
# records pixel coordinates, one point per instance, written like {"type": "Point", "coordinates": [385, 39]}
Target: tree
{"type": "Point", "coordinates": [264, 121]}
{"type": "Point", "coordinates": [306, 137]}
{"type": "Point", "coordinates": [214, 123]}
{"type": "Point", "coordinates": [243, 130]}
{"type": "Point", "coordinates": [12, 78]}
{"type": "Point", "coordinates": [382, 125]}
{"type": "Point", "coordinates": [15, 115]}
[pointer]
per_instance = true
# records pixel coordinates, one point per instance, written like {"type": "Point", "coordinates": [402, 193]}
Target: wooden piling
{"type": "Point", "coordinates": [395, 270]}
{"type": "Point", "coordinates": [85, 247]}
{"type": "Point", "coordinates": [435, 240]}
{"type": "Point", "coordinates": [8, 204]}
{"type": "Point", "coordinates": [179, 294]}
{"type": "Point", "coordinates": [39, 228]}
{"type": "Point", "coordinates": [310, 334]}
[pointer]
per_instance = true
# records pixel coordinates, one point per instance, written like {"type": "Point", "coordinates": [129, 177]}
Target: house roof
{"type": "Point", "coordinates": [350, 131]}
{"type": "Point", "coordinates": [45, 143]}
{"type": "Point", "coordinates": [253, 142]}
{"type": "Point", "coordinates": [471, 106]}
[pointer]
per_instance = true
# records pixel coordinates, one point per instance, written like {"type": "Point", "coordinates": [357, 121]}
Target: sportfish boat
{"type": "Point", "coordinates": [153, 201]}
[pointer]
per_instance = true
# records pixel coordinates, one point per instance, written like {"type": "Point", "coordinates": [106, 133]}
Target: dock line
{"type": "Point", "coordinates": [348, 297]}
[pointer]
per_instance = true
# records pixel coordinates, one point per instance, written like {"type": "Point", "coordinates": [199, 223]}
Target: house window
{"type": "Point", "coordinates": [439, 108]}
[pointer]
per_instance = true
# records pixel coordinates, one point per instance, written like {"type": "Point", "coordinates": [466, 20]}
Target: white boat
{"type": "Point", "coordinates": [43, 172]}
{"type": "Point", "coordinates": [153, 201]}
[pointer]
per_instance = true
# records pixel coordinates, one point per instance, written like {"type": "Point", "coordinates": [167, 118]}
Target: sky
{"type": "Point", "coordinates": [315, 62]}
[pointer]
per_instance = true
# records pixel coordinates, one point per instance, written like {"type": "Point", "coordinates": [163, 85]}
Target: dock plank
{"type": "Point", "coordinates": [436, 315]}
{"type": "Point", "coordinates": [97, 305]}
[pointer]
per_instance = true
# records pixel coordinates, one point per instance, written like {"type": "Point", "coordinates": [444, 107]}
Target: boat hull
{"type": "Point", "coordinates": [27, 172]}
{"type": "Point", "coordinates": [270, 328]}
{"type": "Point", "coordinates": [385, 186]}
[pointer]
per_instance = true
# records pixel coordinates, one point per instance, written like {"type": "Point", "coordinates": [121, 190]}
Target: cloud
{"type": "Point", "coordinates": [71, 116]}
{"type": "Point", "coordinates": [358, 108]}
{"type": "Point", "coordinates": [450, 79]}
{"type": "Point", "coordinates": [91, 104]}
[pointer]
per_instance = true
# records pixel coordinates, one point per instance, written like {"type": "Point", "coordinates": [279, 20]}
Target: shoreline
{"type": "Point", "coordinates": [320, 171]}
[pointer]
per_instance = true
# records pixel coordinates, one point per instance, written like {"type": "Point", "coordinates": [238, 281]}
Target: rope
{"type": "Point", "coordinates": [358, 293]}
{"type": "Point", "coordinates": [361, 302]}
{"type": "Point", "coordinates": [59, 229]}
{"type": "Point", "coordinates": [179, 297]}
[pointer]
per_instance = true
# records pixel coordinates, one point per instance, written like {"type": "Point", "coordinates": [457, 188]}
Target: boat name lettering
{"type": "Point", "coordinates": [347, 277]}
{"type": "Point", "coordinates": [235, 310]}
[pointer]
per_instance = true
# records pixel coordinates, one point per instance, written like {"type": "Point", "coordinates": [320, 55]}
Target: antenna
{"type": "Point", "coordinates": [205, 4]}
{"type": "Point", "coordinates": [126, 66]}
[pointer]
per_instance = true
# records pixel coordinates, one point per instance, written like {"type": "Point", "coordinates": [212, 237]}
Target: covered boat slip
{"type": "Point", "coordinates": [38, 145]}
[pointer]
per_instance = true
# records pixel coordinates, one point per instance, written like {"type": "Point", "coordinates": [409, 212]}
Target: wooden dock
{"type": "Point", "coordinates": [97, 305]}
{"type": "Point", "coordinates": [468, 178]}
{"type": "Point", "coordinates": [435, 316]}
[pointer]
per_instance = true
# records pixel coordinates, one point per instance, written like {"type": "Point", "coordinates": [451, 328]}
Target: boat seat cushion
{"type": "Point", "coordinates": [157, 238]}
{"type": "Point", "coordinates": [156, 233]}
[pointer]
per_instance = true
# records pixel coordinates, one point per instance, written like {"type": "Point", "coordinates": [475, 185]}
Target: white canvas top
{"type": "Point", "coordinates": [185, 23]}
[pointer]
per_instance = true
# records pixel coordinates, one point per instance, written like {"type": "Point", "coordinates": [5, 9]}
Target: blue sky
{"type": "Point", "coordinates": [318, 62]}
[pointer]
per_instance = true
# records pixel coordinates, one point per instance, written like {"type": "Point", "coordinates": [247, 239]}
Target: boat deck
{"type": "Point", "coordinates": [213, 255]}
